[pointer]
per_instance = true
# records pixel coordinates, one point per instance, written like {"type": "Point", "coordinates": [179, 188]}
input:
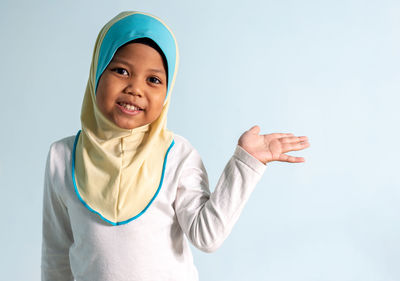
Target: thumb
{"type": "Point", "coordinates": [255, 130]}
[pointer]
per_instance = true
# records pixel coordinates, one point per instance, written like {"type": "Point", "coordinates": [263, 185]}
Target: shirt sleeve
{"type": "Point", "coordinates": [56, 231]}
{"type": "Point", "coordinates": [207, 218]}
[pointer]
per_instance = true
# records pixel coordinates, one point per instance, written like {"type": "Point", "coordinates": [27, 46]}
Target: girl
{"type": "Point", "coordinates": [123, 196]}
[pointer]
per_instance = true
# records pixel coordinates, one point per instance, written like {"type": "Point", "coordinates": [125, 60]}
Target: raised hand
{"type": "Point", "coordinates": [271, 147]}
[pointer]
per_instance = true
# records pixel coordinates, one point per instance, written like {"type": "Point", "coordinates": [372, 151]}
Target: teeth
{"type": "Point", "coordinates": [129, 107]}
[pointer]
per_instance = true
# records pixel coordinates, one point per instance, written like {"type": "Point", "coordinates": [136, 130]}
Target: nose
{"type": "Point", "coordinates": [135, 87]}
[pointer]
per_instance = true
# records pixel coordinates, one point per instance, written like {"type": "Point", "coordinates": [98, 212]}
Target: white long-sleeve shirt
{"type": "Point", "coordinates": [78, 244]}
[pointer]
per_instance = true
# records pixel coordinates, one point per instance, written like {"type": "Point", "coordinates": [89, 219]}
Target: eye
{"type": "Point", "coordinates": [120, 70]}
{"type": "Point", "coordinates": [154, 80]}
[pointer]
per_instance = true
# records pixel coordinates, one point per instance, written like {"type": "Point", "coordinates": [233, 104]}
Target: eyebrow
{"type": "Point", "coordinates": [125, 62]}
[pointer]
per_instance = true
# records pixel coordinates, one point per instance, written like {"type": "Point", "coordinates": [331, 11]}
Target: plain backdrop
{"type": "Point", "coordinates": [329, 70]}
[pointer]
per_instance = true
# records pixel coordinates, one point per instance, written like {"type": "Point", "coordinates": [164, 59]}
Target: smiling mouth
{"type": "Point", "coordinates": [129, 107]}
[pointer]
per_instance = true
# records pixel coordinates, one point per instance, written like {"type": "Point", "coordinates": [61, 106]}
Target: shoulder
{"type": "Point", "coordinates": [182, 145]}
{"type": "Point", "coordinates": [184, 152]}
{"type": "Point", "coordinates": [59, 155]}
{"type": "Point", "coordinates": [182, 141]}
{"type": "Point", "coordinates": [62, 146]}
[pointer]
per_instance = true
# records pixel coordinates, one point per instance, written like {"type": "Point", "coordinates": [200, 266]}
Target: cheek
{"type": "Point", "coordinates": [104, 96]}
{"type": "Point", "coordinates": [160, 103]}
{"type": "Point", "coordinates": [99, 91]}
{"type": "Point", "coordinates": [100, 101]}
{"type": "Point", "coordinates": [156, 107]}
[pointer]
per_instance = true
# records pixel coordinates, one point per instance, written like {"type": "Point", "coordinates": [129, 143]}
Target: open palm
{"type": "Point", "coordinates": [272, 147]}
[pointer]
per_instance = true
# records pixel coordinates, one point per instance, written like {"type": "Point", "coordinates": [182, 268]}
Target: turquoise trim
{"type": "Point", "coordinates": [90, 209]}
{"type": "Point", "coordinates": [132, 27]}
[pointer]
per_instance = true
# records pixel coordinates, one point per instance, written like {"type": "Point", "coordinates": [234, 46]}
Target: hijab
{"type": "Point", "coordinates": [117, 173]}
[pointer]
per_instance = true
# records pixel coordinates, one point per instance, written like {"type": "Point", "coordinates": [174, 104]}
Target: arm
{"type": "Point", "coordinates": [56, 231]}
{"type": "Point", "coordinates": [208, 218]}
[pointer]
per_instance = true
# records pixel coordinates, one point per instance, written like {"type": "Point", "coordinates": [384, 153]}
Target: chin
{"type": "Point", "coordinates": [128, 126]}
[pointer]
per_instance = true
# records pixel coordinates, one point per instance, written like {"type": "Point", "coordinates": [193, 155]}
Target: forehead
{"type": "Point", "coordinates": [141, 53]}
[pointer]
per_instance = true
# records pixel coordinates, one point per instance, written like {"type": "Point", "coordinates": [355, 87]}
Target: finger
{"type": "Point", "coordinates": [294, 146]}
{"type": "Point", "coordinates": [293, 139]}
{"type": "Point", "coordinates": [255, 129]}
{"type": "Point", "coordinates": [279, 135]}
{"type": "Point", "coordinates": [291, 159]}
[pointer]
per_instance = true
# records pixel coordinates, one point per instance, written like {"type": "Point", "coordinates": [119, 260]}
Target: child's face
{"type": "Point", "coordinates": [135, 77]}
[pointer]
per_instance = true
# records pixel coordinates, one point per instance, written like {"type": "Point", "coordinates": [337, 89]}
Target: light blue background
{"type": "Point", "coordinates": [329, 70]}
